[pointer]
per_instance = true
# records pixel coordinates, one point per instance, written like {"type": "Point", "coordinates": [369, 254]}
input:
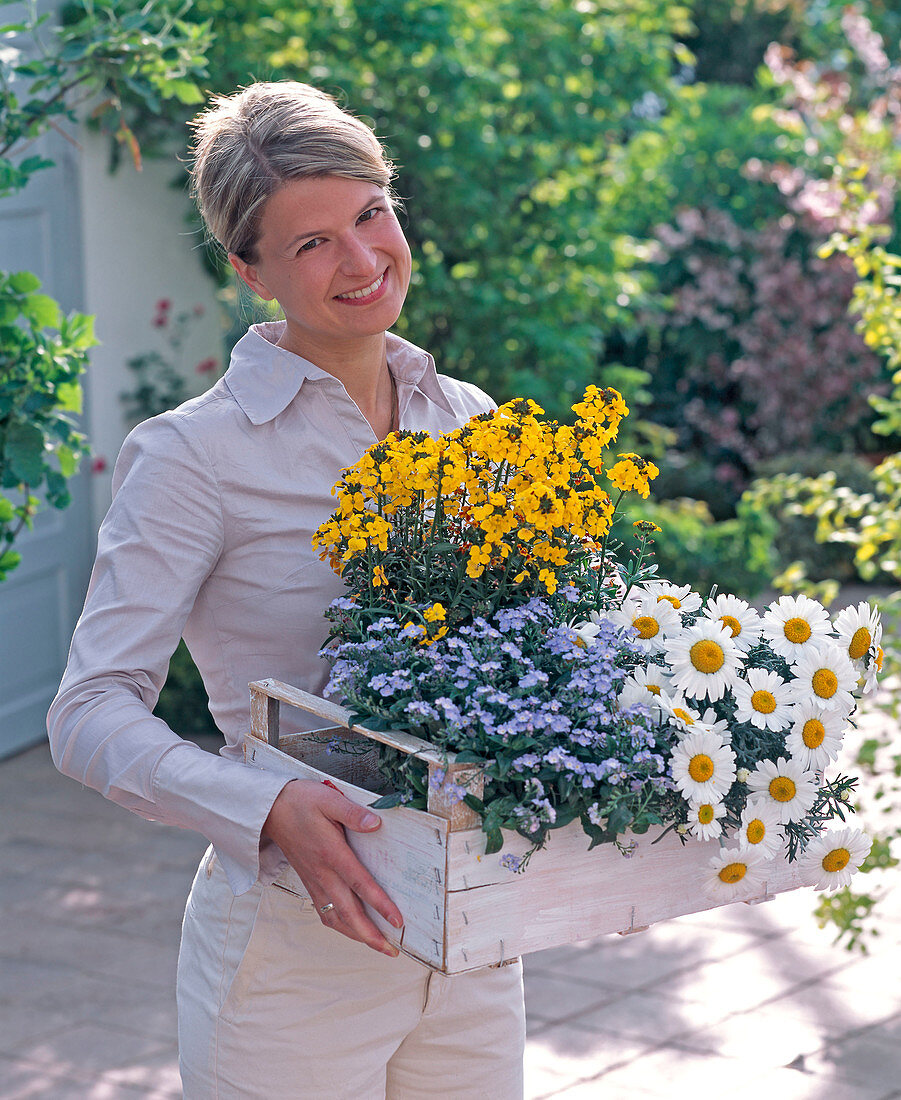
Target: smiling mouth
{"type": "Point", "coordinates": [366, 292]}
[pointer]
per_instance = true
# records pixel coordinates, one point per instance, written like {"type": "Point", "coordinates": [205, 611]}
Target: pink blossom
{"type": "Point", "coordinates": [98, 464]}
{"type": "Point", "coordinates": [207, 365]}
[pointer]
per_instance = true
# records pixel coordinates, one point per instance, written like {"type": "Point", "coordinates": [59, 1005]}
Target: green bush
{"type": "Point", "coordinates": [693, 548]}
{"type": "Point", "coordinates": [795, 532]}
{"type": "Point", "coordinates": [183, 703]}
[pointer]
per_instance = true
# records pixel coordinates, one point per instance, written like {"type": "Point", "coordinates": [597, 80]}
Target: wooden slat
{"type": "Point", "coordinates": [568, 893]}
{"type": "Point", "coordinates": [407, 856]}
{"type": "Point", "coordinates": [340, 716]}
{"type": "Point", "coordinates": [459, 816]}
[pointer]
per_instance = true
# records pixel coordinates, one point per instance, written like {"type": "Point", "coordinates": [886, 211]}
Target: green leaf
{"type": "Point", "coordinates": [386, 802]}
{"type": "Point", "coordinates": [7, 511]}
{"type": "Point", "coordinates": [43, 311]}
{"type": "Point", "coordinates": [494, 841]}
{"type": "Point", "coordinates": [186, 91]}
{"type": "Point", "coordinates": [25, 452]}
{"type": "Point", "coordinates": [24, 282]}
{"type": "Point", "coordinates": [69, 397]}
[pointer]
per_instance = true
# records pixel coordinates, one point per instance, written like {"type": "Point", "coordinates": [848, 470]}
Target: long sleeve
{"type": "Point", "coordinates": [158, 544]}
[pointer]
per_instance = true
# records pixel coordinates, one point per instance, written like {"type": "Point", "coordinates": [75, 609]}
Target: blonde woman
{"type": "Point", "coordinates": [209, 537]}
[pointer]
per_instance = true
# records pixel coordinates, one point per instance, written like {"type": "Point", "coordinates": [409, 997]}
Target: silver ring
{"type": "Point", "coordinates": [327, 908]}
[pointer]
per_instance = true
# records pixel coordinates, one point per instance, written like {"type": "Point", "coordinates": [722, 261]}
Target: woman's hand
{"type": "Point", "coordinates": [307, 821]}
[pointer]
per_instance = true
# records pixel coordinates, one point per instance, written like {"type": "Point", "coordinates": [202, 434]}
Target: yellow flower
{"type": "Point", "coordinates": [378, 577]}
{"type": "Point", "coordinates": [435, 613]}
{"type": "Point", "coordinates": [633, 472]}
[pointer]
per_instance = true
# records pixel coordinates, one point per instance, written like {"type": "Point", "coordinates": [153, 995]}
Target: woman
{"type": "Point", "coordinates": [209, 537]}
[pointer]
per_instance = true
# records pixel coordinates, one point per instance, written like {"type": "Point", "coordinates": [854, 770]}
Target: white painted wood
{"type": "Point", "coordinates": [407, 856]}
{"type": "Point", "coordinates": [567, 893]}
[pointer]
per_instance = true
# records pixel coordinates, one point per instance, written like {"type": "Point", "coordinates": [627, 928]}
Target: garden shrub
{"type": "Point", "coordinates": [795, 539]}
{"type": "Point", "coordinates": [183, 703]}
{"type": "Point", "coordinates": [693, 548]}
{"type": "Point", "coordinates": [757, 355]}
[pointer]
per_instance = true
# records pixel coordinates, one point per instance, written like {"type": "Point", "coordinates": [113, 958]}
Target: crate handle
{"type": "Point", "coordinates": [267, 695]}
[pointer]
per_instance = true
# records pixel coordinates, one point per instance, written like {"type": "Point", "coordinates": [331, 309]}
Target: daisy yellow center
{"type": "Point", "coordinates": [700, 768]}
{"type": "Point", "coordinates": [678, 712]}
{"type": "Point", "coordinates": [755, 831]}
{"type": "Point", "coordinates": [763, 701]}
{"type": "Point", "coordinates": [707, 656]}
{"type": "Point", "coordinates": [733, 872]}
{"type": "Point", "coordinates": [705, 813]}
{"type": "Point", "coordinates": [782, 789]}
{"type": "Point", "coordinates": [825, 683]}
{"type": "Point", "coordinates": [670, 599]}
{"type": "Point", "coordinates": [797, 630]}
{"type": "Point", "coordinates": [653, 689]}
{"type": "Point", "coordinates": [733, 624]}
{"type": "Point", "coordinates": [836, 860]}
{"type": "Point", "coordinates": [813, 733]}
{"type": "Point", "coordinates": [860, 643]}
{"type": "Point", "coordinates": [646, 625]}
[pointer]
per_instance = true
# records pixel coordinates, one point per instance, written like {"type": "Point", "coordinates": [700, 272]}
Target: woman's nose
{"type": "Point", "coordinates": [358, 254]}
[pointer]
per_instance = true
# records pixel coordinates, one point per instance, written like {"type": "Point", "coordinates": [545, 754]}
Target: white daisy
{"type": "Point", "coordinates": [859, 630]}
{"type": "Point", "coordinates": [739, 618]}
{"type": "Point", "coordinates": [703, 768]}
{"type": "Point", "coordinates": [815, 737]}
{"type": "Point", "coordinates": [649, 620]}
{"type": "Point", "coordinates": [869, 681]}
{"type": "Point", "coordinates": [704, 819]}
{"type": "Point", "coordinates": [646, 684]}
{"type": "Point", "coordinates": [718, 725]}
{"type": "Point", "coordinates": [685, 718]}
{"type": "Point", "coordinates": [759, 829]}
{"type": "Point", "coordinates": [703, 660]}
{"type": "Point", "coordinates": [785, 785]}
{"type": "Point", "coordinates": [834, 857]}
{"type": "Point", "coordinates": [824, 675]}
{"type": "Point", "coordinates": [586, 632]}
{"type": "Point", "coordinates": [735, 874]}
{"type": "Point", "coordinates": [680, 596]}
{"type": "Point", "coordinates": [764, 700]}
{"type": "Point", "coordinates": [793, 623]}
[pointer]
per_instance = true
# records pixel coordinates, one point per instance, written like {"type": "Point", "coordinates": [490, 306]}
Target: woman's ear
{"type": "Point", "coordinates": [248, 274]}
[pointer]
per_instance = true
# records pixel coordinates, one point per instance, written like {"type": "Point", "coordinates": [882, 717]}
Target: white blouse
{"type": "Point", "coordinates": [209, 537]}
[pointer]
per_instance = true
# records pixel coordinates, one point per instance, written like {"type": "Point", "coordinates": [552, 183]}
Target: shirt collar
{"type": "Point", "coordinates": [264, 379]}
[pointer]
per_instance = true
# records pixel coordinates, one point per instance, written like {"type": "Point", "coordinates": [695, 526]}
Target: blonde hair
{"type": "Point", "coordinates": [249, 144]}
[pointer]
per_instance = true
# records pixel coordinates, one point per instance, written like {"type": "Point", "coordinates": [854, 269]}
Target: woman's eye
{"type": "Point", "coordinates": [369, 214]}
{"type": "Point", "coordinates": [308, 246]}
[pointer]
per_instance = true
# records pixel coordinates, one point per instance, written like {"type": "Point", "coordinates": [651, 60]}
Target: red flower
{"type": "Point", "coordinates": [98, 465]}
{"type": "Point", "coordinates": [163, 305]}
{"type": "Point", "coordinates": [207, 365]}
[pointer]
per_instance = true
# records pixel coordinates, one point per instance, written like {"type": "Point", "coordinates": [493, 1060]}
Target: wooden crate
{"type": "Point", "coordinates": [464, 909]}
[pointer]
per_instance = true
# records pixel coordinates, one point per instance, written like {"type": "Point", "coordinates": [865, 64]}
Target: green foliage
{"type": "Point", "coordinates": [183, 704]}
{"type": "Point", "coordinates": [780, 493]}
{"type": "Point", "coordinates": [693, 548]}
{"type": "Point", "coordinates": [503, 121]}
{"type": "Point", "coordinates": [42, 354]}
{"type": "Point", "coordinates": [105, 48]}
{"type": "Point", "coordinates": [108, 45]}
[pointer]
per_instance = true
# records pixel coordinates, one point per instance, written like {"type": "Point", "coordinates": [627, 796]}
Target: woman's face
{"type": "Point", "coordinates": [332, 254]}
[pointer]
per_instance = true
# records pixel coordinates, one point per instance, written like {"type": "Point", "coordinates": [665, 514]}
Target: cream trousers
{"type": "Point", "coordinates": [274, 1006]}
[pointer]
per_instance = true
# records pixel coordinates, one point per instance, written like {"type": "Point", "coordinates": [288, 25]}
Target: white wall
{"type": "Point", "coordinates": [137, 250]}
